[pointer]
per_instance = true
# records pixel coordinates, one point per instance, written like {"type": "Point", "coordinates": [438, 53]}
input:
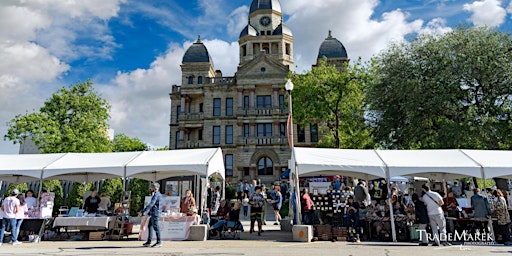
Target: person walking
{"type": "Point", "coordinates": [21, 214]}
{"type": "Point", "coordinates": [257, 202]}
{"type": "Point", "coordinates": [10, 206]}
{"type": "Point", "coordinates": [277, 203]}
{"type": "Point", "coordinates": [434, 201]}
{"type": "Point", "coordinates": [420, 212]}
{"type": "Point", "coordinates": [154, 210]}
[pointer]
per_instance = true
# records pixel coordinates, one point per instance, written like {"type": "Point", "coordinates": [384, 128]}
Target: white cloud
{"type": "Point", "coordinates": [436, 26]}
{"type": "Point", "coordinates": [238, 20]}
{"type": "Point", "coordinates": [140, 98]}
{"type": "Point", "coordinates": [37, 38]}
{"type": "Point", "coordinates": [486, 13]}
{"type": "Point", "coordinates": [351, 22]}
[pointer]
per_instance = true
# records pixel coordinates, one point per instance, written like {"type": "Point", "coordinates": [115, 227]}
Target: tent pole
{"type": "Point", "coordinates": [391, 211]}
{"type": "Point", "coordinates": [298, 207]}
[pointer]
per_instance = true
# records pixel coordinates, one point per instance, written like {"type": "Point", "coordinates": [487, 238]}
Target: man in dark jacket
{"type": "Point", "coordinates": [154, 209]}
{"type": "Point", "coordinates": [420, 211]}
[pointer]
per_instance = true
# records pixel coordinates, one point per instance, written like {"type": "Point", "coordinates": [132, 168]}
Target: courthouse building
{"type": "Point", "coordinates": [245, 115]}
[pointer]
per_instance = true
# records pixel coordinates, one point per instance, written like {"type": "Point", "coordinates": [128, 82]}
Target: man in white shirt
{"type": "Point", "coordinates": [10, 206]}
{"type": "Point", "coordinates": [433, 201]}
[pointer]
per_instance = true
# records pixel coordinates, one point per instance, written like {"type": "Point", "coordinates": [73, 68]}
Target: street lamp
{"type": "Point", "coordinates": [289, 87]}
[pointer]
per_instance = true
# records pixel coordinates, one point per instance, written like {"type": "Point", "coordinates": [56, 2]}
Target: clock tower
{"type": "Point", "coordinates": [266, 34]}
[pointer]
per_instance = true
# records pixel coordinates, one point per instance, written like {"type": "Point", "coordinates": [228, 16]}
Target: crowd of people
{"type": "Point", "coordinates": [424, 208]}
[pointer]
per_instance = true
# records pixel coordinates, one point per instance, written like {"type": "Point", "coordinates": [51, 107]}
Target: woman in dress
{"type": "Point", "coordinates": [188, 204]}
{"type": "Point", "coordinates": [256, 201]}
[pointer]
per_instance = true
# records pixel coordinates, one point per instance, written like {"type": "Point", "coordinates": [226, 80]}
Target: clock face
{"type": "Point", "coordinates": [265, 21]}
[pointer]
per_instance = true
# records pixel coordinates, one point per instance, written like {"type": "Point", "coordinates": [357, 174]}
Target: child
{"type": "Point", "coordinates": [245, 203]}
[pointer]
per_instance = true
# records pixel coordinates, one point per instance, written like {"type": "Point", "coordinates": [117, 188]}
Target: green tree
{"type": "Point", "coordinates": [444, 91]}
{"type": "Point", "coordinates": [139, 189]}
{"type": "Point", "coordinates": [22, 188]}
{"type": "Point", "coordinates": [123, 143]}
{"type": "Point", "coordinates": [73, 120]}
{"type": "Point", "coordinates": [335, 101]}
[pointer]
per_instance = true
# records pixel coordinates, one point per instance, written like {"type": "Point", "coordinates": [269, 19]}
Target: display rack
{"type": "Point", "coordinates": [121, 223]}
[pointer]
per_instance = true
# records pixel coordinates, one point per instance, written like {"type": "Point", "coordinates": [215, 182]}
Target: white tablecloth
{"type": "Point", "coordinates": [83, 223]}
{"type": "Point", "coordinates": [171, 228]}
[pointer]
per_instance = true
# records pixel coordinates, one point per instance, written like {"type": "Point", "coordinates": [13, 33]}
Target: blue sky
{"type": "Point", "coordinates": [132, 49]}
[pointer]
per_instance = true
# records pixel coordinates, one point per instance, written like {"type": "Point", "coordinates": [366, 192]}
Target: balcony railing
{"type": "Point", "coordinates": [271, 140]}
{"type": "Point", "coordinates": [192, 116]}
{"type": "Point", "coordinates": [261, 111]}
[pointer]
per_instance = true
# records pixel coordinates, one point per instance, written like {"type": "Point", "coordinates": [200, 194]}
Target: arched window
{"type": "Point", "coordinates": [190, 80]}
{"type": "Point", "coordinates": [265, 166]}
{"type": "Point", "coordinates": [199, 80]}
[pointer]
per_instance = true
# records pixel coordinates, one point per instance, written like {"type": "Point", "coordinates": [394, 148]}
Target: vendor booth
{"type": "Point", "coordinates": [87, 167]}
{"type": "Point", "coordinates": [370, 164]}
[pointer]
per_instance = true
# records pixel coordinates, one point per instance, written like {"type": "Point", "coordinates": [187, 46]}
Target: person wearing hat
{"type": "Point", "coordinates": [153, 208]}
{"type": "Point", "coordinates": [10, 207]}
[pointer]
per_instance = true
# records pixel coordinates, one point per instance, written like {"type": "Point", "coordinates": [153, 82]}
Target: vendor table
{"type": "Point", "coordinates": [401, 225]}
{"type": "Point", "coordinates": [35, 226]}
{"type": "Point", "coordinates": [172, 228]}
{"type": "Point", "coordinates": [83, 223]}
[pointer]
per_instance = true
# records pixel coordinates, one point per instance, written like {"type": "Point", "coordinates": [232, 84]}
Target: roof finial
{"type": "Point", "coordinates": [198, 38]}
{"type": "Point", "coordinates": [330, 36]}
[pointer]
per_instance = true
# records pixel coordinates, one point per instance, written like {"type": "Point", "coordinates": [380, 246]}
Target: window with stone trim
{"type": "Point", "coordinates": [264, 130]}
{"type": "Point", "coordinates": [265, 166]}
{"type": "Point", "coordinates": [228, 162]}
{"type": "Point", "coordinates": [263, 101]}
{"type": "Point", "coordinates": [191, 80]}
{"type": "Point", "coordinates": [246, 130]}
{"type": "Point", "coordinates": [301, 134]}
{"type": "Point", "coordinates": [229, 106]}
{"type": "Point", "coordinates": [229, 134]}
{"type": "Point", "coordinates": [216, 107]}
{"type": "Point", "coordinates": [199, 80]}
{"type": "Point", "coordinates": [216, 135]}
{"type": "Point", "coordinates": [313, 132]}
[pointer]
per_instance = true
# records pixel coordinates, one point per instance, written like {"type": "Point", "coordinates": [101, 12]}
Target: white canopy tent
{"type": "Point", "coordinates": [495, 163]}
{"type": "Point", "coordinates": [157, 165]}
{"type": "Point", "coordinates": [88, 167]}
{"type": "Point", "coordinates": [369, 164]}
{"type": "Point", "coordinates": [25, 168]}
{"type": "Point", "coordinates": [434, 164]}
{"type": "Point", "coordinates": [346, 162]}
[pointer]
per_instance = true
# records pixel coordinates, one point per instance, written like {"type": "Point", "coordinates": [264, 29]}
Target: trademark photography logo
{"type": "Point", "coordinates": [465, 238]}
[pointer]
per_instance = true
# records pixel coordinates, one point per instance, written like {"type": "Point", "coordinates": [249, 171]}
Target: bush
{"type": "Point", "coordinates": [139, 189]}
{"type": "Point", "coordinates": [76, 195]}
{"type": "Point", "coordinates": [230, 193]}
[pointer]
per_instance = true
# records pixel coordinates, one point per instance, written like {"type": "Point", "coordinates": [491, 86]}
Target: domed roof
{"type": "Point", "coordinates": [282, 29]}
{"type": "Point", "coordinates": [332, 48]}
{"type": "Point", "coordinates": [197, 52]}
{"type": "Point", "coordinates": [248, 30]}
{"type": "Point", "coordinates": [265, 5]}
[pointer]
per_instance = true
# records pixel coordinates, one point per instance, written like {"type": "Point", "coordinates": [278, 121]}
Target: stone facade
{"type": "Point", "coordinates": [246, 115]}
